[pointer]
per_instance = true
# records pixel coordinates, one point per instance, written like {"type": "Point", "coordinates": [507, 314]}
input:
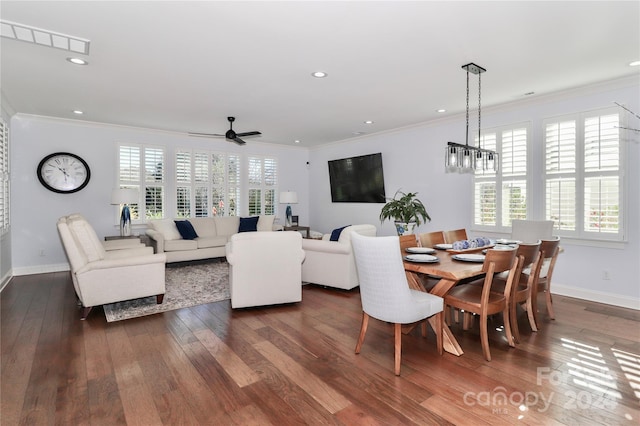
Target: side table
{"type": "Point", "coordinates": [298, 228]}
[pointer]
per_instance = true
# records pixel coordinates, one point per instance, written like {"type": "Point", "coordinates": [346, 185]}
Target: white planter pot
{"type": "Point", "coordinates": [405, 228]}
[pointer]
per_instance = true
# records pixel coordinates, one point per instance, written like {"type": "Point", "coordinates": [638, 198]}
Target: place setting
{"type": "Point", "coordinates": [475, 258]}
{"type": "Point", "coordinates": [422, 258]}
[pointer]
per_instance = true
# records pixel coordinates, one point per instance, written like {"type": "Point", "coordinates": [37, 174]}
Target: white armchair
{"type": "Point", "coordinates": [264, 268]}
{"type": "Point", "coordinates": [100, 276]}
{"type": "Point", "coordinates": [331, 263]}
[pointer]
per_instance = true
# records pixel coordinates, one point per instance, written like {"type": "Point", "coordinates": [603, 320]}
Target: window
{"type": "Point", "coordinates": [142, 168]}
{"type": "Point", "coordinates": [4, 177]}
{"type": "Point", "coordinates": [263, 181]}
{"type": "Point", "coordinates": [501, 197]}
{"type": "Point", "coordinates": [583, 175]}
{"type": "Point", "coordinates": [207, 182]}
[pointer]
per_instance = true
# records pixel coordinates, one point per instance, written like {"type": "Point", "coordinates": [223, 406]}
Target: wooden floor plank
{"type": "Point", "coordinates": [294, 364]}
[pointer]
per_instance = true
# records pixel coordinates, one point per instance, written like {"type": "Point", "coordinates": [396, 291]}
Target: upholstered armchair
{"type": "Point", "coordinates": [264, 268]}
{"type": "Point", "coordinates": [331, 263]}
{"type": "Point", "coordinates": [106, 276]}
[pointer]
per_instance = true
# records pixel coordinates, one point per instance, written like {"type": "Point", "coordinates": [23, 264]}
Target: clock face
{"type": "Point", "coordinates": [63, 172]}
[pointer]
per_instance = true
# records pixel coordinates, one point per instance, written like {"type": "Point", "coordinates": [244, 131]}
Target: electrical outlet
{"type": "Point", "coordinates": [605, 275]}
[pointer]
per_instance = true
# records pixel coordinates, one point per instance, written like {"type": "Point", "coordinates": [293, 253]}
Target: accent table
{"type": "Point", "coordinates": [298, 228]}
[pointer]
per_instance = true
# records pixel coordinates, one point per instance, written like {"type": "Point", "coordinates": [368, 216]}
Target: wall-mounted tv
{"type": "Point", "coordinates": [357, 179]}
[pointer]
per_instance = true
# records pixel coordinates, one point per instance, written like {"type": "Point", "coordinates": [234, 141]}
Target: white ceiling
{"type": "Point", "coordinates": [186, 66]}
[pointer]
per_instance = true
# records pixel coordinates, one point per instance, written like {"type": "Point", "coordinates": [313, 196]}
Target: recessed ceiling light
{"type": "Point", "coordinates": [358, 133]}
{"type": "Point", "coordinates": [78, 112]}
{"type": "Point", "coordinates": [441, 110]}
{"type": "Point", "coordinates": [319, 74]}
{"type": "Point", "coordinates": [368, 122]}
{"type": "Point", "coordinates": [77, 61]}
{"type": "Point", "coordinates": [296, 141]}
{"type": "Point", "coordinates": [634, 63]}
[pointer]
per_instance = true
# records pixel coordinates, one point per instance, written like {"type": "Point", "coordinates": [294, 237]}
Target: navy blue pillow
{"type": "Point", "coordinates": [248, 224]}
{"type": "Point", "coordinates": [185, 228]}
{"type": "Point", "coordinates": [335, 234]}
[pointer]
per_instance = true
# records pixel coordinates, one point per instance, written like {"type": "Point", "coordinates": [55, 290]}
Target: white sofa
{"type": "Point", "coordinates": [213, 234]}
{"type": "Point", "coordinates": [264, 268]}
{"type": "Point", "coordinates": [331, 263]}
{"type": "Point", "coordinates": [106, 276]}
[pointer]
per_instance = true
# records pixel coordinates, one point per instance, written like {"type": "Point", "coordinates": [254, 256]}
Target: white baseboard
{"type": "Point", "coordinates": [596, 296]}
{"type": "Point", "coordinates": [42, 269]}
{"type": "Point", "coordinates": [5, 279]}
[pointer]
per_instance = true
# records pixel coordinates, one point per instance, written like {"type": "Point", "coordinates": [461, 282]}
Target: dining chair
{"type": "Point", "coordinates": [521, 293]}
{"type": "Point", "coordinates": [430, 239]}
{"type": "Point", "coordinates": [407, 241]}
{"type": "Point", "coordinates": [480, 300]}
{"type": "Point", "coordinates": [385, 292]}
{"type": "Point", "coordinates": [549, 249]}
{"type": "Point", "coordinates": [455, 235]}
{"type": "Point", "coordinates": [530, 231]}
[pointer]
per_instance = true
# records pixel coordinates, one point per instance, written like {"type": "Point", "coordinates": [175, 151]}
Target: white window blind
{"type": "Point", "coordinates": [142, 167]}
{"type": "Point", "coordinates": [207, 183]}
{"type": "Point", "coordinates": [500, 197]}
{"type": "Point", "coordinates": [263, 181]}
{"type": "Point", "coordinates": [4, 178]}
{"type": "Point", "coordinates": [583, 175]}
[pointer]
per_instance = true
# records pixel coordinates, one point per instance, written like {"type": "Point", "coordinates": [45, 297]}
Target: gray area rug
{"type": "Point", "coordinates": [186, 285]}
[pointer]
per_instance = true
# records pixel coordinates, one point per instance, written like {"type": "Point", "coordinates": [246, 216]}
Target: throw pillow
{"type": "Point", "coordinates": [335, 234]}
{"type": "Point", "coordinates": [248, 224]}
{"type": "Point", "coordinates": [167, 228]}
{"type": "Point", "coordinates": [185, 228]}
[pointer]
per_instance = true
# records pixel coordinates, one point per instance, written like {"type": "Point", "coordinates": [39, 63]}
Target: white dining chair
{"type": "Point", "coordinates": [385, 293]}
{"type": "Point", "coordinates": [530, 231]}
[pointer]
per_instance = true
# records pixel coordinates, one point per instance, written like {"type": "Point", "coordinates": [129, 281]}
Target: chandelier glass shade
{"type": "Point", "coordinates": [463, 158]}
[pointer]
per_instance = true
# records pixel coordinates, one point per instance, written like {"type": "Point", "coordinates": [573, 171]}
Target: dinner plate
{"type": "Point", "coordinates": [422, 258]}
{"type": "Point", "coordinates": [443, 246]}
{"type": "Point", "coordinates": [499, 247]}
{"type": "Point", "coordinates": [507, 241]}
{"type": "Point", "coordinates": [479, 258]}
{"type": "Point", "coordinates": [420, 250]}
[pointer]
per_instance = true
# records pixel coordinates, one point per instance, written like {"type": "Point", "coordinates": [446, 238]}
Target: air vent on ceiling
{"type": "Point", "coordinates": [43, 37]}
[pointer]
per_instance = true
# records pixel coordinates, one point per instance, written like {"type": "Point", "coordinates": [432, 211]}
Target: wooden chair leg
{"type": "Point", "coordinates": [513, 320]}
{"type": "Point", "coordinates": [363, 331]}
{"type": "Point", "coordinates": [397, 346]}
{"type": "Point", "coordinates": [423, 328]}
{"type": "Point", "coordinates": [484, 336]}
{"type": "Point", "coordinates": [530, 314]}
{"type": "Point", "coordinates": [467, 320]}
{"type": "Point", "coordinates": [506, 314]}
{"type": "Point", "coordinates": [547, 294]}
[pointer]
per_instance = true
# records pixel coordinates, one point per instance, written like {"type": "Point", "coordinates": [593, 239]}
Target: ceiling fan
{"type": "Point", "coordinates": [230, 135]}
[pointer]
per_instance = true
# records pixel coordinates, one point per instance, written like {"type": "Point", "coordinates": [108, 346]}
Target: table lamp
{"type": "Point", "coordinates": [288, 198]}
{"type": "Point", "coordinates": [124, 197]}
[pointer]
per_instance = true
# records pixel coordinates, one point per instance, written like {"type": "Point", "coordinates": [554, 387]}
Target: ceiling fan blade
{"type": "Point", "coordinates": [254, 133]}
{"type": "Point", "coordinates": [205, 135]}
{"type": "Point", "coordinates": [238, 141]}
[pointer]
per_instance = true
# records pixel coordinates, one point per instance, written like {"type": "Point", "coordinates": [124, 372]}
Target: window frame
{"type": "Point", "coordinates": [581, 176]}
{"type": "Point", "coordinates": [263, 187]}
{"type": "Point", "coordinates": [5, 179]}
{"type": "Point", "coordinates": [493, 138]}
{"type": "Point", "coordinates": [139, 210]}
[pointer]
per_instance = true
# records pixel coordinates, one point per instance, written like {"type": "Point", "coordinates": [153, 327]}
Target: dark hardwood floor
{"type": "Point", "coordinates": [295, 364]}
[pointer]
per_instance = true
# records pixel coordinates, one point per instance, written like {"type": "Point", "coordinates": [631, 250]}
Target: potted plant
{"type": "Point", "coordinates": [407, 211]}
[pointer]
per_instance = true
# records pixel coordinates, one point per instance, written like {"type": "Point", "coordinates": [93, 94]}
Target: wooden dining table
{"type": "Point", "coordinates": [451, 272]}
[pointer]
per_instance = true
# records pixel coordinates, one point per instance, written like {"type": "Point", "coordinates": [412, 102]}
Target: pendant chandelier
{"type": "Point", "coordinates": [464, 158]}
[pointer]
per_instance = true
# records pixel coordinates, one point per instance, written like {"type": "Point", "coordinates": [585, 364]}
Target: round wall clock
{"type": "Point", "coordinates": [63, 172]}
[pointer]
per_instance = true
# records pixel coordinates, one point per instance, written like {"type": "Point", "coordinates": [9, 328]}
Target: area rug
{"type": "Point", "coordinates": [186, 285]}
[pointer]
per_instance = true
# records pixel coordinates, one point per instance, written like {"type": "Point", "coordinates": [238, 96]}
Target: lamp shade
{"type": "Point", "coordinates": [289, 197]}
{"type": "Point", "coordinates": [124, 196]}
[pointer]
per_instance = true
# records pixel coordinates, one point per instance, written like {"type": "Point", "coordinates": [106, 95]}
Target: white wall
{"type": "Point", "coordinates": [413, 161]}
{"type": "Point", "coordinates": [35, 209]}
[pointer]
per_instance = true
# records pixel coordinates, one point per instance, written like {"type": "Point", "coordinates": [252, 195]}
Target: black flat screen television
{"type": "Point", "coordinates": [357, 179]}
